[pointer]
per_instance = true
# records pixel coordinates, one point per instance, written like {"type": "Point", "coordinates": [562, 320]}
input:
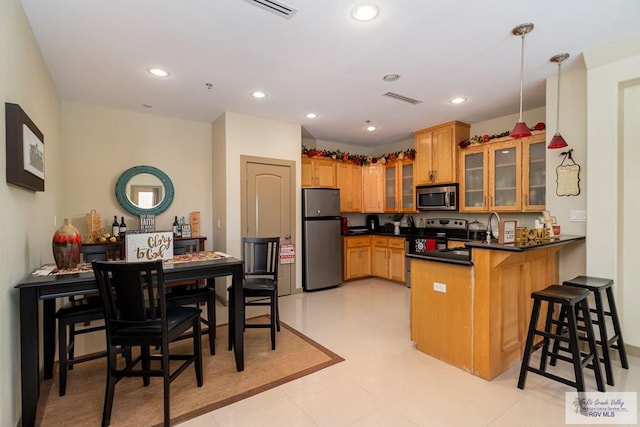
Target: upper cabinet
{"type": "Point", "coordinates": [437, 153]}
{"type": "Point", "coordinates": [318, 172]}
{"type": "Point", "coordinates": [534, 175]}
{"type": "Point", "coordinates": [349, 177]}
{"type": "Point", "coordinates": [373, 188]}
{"type": "Point", "coordinates": [504, 175]}
{"type": "Point", "coordinates": [400, 193]}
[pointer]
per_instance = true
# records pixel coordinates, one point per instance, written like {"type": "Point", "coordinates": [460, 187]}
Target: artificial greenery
{"type": "Point", "coordinates": [476, 139]}
{"type": "Point", "coordinates": [359, 159]}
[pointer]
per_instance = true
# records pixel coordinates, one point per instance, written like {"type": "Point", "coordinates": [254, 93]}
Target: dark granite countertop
{"type": "Point", "coordinates": [518, 247]}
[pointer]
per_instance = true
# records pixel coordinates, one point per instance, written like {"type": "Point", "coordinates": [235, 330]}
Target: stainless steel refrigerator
{"type": "Point", "coordinates": [321, 238]}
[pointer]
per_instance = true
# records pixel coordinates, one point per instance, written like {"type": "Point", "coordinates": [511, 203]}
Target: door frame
{"type": "Point", "coordinates": [244, 160]}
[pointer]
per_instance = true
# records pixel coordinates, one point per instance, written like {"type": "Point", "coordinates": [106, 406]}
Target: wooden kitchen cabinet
{"type": "Point", "coordinates": [373, 188]}
{"type": "Point", "coordinates": [400, 192]}
{"type": "Point", "coordinates": [388, 258]}
{"type": "Point", "coordinates": [534, 166]}
{"type": "Point", "coordinates": [504, 175]}
{"type": "Point", "coordinates": [318, 172]}
{"type": "Point", "coordinates": [357, 257]}
{"type": "Point", "coordinates": [437, 152]}
{"type": "Point", "coordinates": [349, 181]}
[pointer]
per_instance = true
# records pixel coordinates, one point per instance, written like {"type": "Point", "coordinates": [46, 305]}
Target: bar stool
{"type": "Point", "coordinates": [596, 286]}
{"type": "Point", "coordinates": [571, 300]}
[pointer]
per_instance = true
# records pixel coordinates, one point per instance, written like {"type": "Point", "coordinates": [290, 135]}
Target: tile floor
{"type": "Point", "coordinates": [385, 381]}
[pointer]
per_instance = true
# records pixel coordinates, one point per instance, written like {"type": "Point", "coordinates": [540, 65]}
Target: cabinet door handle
{"type": "Point", "coordinates": [526, 199]}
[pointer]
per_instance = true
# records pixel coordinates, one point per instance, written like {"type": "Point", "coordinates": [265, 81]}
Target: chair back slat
{"type": "Point", "coordinates": [131, 292]}
{"type": "Point", "coordinates": [189, 246]}
{"type": "Point", "coordinates": [102, 252]}
{"type": "Point", "coordinates": [261, 256]}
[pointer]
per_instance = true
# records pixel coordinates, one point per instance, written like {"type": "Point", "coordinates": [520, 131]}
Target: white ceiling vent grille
{"type": "Point", "coordinates": [276, 7]}
{"type": "Point", "coordinates": [402, 98]}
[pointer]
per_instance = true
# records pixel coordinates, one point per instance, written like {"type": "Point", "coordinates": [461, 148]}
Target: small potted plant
{"type": "Point", "coordinates": [396, 218]}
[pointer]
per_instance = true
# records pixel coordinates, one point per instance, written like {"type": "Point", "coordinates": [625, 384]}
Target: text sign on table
{"type": "Point", "coordinates": [149, 246]}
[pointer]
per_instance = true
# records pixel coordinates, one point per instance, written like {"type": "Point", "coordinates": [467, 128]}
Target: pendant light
{"type": "Point", "coordinates": [521, 130]}
{"type": "Point", "coordinates": [558, 141]}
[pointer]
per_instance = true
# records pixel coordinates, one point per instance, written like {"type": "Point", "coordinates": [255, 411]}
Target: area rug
{"type": "Point", "coordinates": [295, 356]}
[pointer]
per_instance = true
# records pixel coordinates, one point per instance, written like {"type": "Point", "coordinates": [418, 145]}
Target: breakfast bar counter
{"type": "Point", "coordinates": [476, 316]}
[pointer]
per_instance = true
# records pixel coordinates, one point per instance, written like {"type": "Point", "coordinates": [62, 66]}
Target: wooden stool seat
{"type": "Point", "coordinates": [570, 301]}
{"type": "Point", "coordinates": [598, 285]}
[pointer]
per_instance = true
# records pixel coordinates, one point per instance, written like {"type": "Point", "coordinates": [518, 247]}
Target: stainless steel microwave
{"type": "Point", "coordinates": [437, 197]}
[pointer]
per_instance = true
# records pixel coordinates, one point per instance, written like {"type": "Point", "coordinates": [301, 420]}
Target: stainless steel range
{"type": "Point", "coordinates": [433, 237]}
{"type": "Point", "coordinates": [435, 234]}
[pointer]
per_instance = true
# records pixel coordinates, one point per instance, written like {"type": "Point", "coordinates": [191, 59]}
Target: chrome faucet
{"type": "Point", "coordinates": [489, 227]}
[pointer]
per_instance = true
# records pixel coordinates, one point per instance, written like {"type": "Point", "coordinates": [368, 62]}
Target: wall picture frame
{"type": "Point", "coordinates": [507, 231]}
{"type": "Point", "coordinates": [25, 149]}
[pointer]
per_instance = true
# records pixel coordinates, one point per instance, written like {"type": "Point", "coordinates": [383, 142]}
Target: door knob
{"type": "Point", "coordinates": [287, 237]}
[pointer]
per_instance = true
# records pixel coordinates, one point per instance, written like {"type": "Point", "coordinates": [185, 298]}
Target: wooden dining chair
{"type": "Point", "coordinates": [195, 293]}
{"type": "Point", "coordinates": [81, 311]}
{"type": "Point", "coordinates": [261, 256]}
{"type": "Point", "coordinates": [137, 315]}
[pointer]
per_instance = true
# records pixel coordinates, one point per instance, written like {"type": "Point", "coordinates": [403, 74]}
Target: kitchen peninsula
{"type": "Point", "coordinates": [475, 316]}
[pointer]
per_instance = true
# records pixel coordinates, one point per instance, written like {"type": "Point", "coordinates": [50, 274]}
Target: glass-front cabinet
{"type": "Point", "coordinates": [534, 175]}
{"type": "Point", "coordinates": [473, 180]}
{"type": "Point", "coordinates": [399, 189]}
{"type": "Point", "coordinates": [505, 182]}
{"type": "Point", "coordinates": [504, 175]}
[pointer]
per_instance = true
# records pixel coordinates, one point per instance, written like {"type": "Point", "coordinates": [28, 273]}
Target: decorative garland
{"type": "Point", "coordinates": [486, 138]}
{"type": "Point", "coordinates": [359, 159]}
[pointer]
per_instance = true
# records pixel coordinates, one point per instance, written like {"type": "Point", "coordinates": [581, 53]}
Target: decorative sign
{"type": "Point", "coordinates": [195, 224]}
{"type": "Point", "coordinates": [149, 246]}
{"type": "Point", "coordinates": [568, 176]}
{"type": "Point", "coordinates": [507, 231]}
{"type": "Point", "coordinates": [147, 223]}
{"type": "Point", "coordinates": [287, 253]}
{"type": "Point", "coordinates": [186, 230]}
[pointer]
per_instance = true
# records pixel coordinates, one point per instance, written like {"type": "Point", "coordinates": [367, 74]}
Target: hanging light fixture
{"type": "Point", "coordinates": [521, 130]}
{"type": "Point", "coordinates": [558, 141]}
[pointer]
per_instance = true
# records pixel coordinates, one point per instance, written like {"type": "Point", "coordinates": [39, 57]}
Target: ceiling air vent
{"type": "Point", "coordinates": [278, 8]}
{"type": "Point", "coordinates": [402, 98]}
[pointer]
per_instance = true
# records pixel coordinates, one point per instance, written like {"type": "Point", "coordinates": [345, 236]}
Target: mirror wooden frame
{"type": "Point", "coordinates": [125, 202]}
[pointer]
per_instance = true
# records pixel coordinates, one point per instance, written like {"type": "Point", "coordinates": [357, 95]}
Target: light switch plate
{"type": "Point", "coordinates": [440, 287]}
{"type": "Point", "coordinates": [577, 215]}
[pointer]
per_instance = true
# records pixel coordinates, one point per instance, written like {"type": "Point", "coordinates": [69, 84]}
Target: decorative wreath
{"type": "Point", "coordinates": [359, 159]}
{"type": "Point", "coordinates": [476, 139]}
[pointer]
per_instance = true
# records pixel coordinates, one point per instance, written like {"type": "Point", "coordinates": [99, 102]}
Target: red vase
{"type": "Point", "coordinates": [66, 245]}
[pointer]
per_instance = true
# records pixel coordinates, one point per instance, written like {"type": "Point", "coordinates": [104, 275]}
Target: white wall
{"type": "Point", "coordinates": [608, 69]}
{"type": "Point", "coordinates": [101, 143]}
{"type": "Point", "coordinates": [27, 216]}
{"type": "Point", "coordinates": [240, 135]}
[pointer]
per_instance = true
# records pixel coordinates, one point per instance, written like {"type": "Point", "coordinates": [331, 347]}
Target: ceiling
{"type": "Point", "coordinates": [319, 60]}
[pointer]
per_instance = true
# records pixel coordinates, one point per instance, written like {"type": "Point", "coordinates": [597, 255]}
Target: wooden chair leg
{"type": "Point", "coordinates": [62, 357]}
{"type": "Point", "coordinates": [110, 387]}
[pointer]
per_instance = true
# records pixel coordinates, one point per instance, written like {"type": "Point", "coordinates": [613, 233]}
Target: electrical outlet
{"type": "Point", "coordinates": [440, 287]}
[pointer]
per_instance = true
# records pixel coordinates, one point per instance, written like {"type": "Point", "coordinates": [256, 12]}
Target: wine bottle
{"type": "Point", "coordinates": [176, 227]}
{"type": "Point", "coordinates": [115, 227]}
{"type": "Point", "coordinates": [123, 228]}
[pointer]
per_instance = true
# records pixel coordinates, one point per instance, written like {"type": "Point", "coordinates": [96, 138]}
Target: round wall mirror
{"type": "Point", "coordinates": [144, 190]}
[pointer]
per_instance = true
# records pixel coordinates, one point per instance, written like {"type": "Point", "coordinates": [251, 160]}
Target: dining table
{"type": "Point", "coordinates": [48, 287]}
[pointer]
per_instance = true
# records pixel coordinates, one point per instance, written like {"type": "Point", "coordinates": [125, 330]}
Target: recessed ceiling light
{"type": "Point", "coordinates": [458, 100]}
{"type": "Point", "coordinates": [158, 72]}
{"type": "Point", "coordinates": [371, 128]}
{"type": "Point", "coordinates": [259, 95]}
{"type": "Point", "coordinates": [364, 12]}
{"type": "Point", "coordinates": [391, 77]}
{"type": "Point", "coordinates": [311, 115]}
